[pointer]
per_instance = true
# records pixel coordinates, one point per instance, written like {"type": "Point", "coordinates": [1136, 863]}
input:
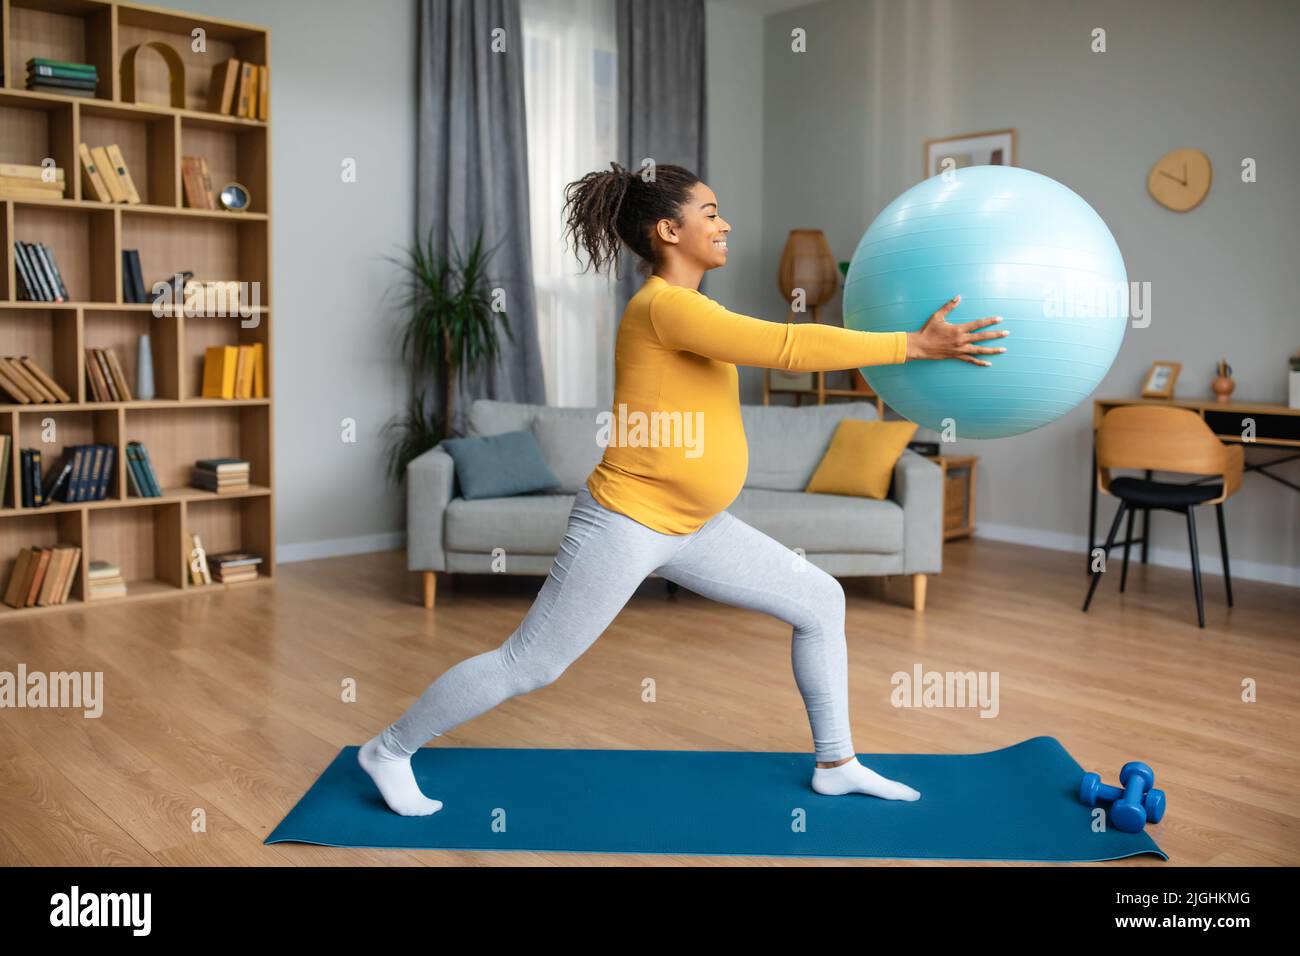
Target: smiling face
{"type": "Point", "coordinates": [700, 239]}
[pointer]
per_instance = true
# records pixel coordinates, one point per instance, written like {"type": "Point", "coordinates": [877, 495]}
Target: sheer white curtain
{"type": "Point", "coordinates": [570, 72]}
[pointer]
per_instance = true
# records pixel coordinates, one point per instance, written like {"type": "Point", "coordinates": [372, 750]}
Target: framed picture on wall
{"type": "Point", "coordinates": [995, 148]}
{"type": "Point", "coordinates": [1159, 382]}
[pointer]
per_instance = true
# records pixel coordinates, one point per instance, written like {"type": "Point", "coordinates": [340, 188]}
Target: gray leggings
{"type": "Point", "coordinates": [604, 556]}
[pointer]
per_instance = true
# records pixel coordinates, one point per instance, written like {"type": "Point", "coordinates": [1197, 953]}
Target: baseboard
{"type": "Point", "coordinates": [1165, 557]}
{"type": "Point", "coordinates": [339, 547]}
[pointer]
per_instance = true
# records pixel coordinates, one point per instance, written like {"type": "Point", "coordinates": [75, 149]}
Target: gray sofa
{"type": "Point", "coordinates": [844, 535]}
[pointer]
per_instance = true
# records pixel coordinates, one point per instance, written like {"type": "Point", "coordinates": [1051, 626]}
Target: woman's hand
{"type": "Point", "coordinates": [938, 339]}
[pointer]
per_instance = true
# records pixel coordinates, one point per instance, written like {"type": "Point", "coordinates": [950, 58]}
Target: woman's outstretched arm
{"type": "Point", "coordinates": [689, 320]}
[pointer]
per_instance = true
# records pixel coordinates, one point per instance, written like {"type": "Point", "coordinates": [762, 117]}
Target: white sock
{"type": "Point", "coordinates": [395, 779]}
{"type": "Point", "coordinates": [854, 777]}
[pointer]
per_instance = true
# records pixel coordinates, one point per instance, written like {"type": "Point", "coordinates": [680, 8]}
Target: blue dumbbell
{"type": "Point", "coordinates": [1134, 806]}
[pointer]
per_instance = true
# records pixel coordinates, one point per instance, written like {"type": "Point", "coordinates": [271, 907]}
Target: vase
{"type": "Point", "coordinates": [1223, 387]}
{"type": "Point", "coordinates": [144, 388]}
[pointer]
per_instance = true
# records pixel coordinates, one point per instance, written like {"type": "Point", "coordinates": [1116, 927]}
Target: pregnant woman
{"type": "Point", "coordinates": [653, 508]}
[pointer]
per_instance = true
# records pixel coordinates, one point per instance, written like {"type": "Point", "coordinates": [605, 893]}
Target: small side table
{"type": "Point", "coordinates": [958, 494]}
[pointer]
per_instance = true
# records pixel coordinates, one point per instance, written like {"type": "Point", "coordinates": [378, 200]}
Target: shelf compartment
{"type": "Point", "coordinates": [32, 130]}
{"type": "Point", "coordinates": [148, 145]}
{"type": "Point", "coordinates": [213, 251]}
{"type": "Point", "coordinates": [178, 437]}
{"type": "Point", "coordinates": [239, 524]}
{"type": "Point", "coordinates": [223, 40]}
{"type": "Point", "coordinates": [53, 431]}
{"type": "Point", "coordinates": [84, 246]}
{"type": "Point", "coordinates": [32, 529]}
{"type": "Point", "coordinates": [121, 332]}
{"type": "Point", "coordinates": [204, 332]}
{"type": "Point", "coordinates": [233, 154]}
{"type": "Point", "coordinates": [79, 31]}
{"type": "Point", "coordinates": [144, 542]}
{"type": "Point", "coordinates": [49, 338]}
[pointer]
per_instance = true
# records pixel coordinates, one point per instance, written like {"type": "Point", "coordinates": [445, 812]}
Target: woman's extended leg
{"type": "Point", "coordinates": [732, 562]}
{"type": "Point", "coordinates": [602, 559]}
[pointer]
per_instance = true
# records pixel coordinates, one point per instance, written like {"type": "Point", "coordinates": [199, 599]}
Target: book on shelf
{"type": "Point", "coordinates": [133, 288]}
{"type": "Point", "coordinates": [6, 444]}
{"type": "Point", "coordinates": [83, 473]}
{"type": "Point", "coordinates": [196, 183]}
{"type": "Point", "coordinates": [200, 572]}
{"type": "Point", "coordinates": [93, 178]}
{"type": "Point", "coordinates": [105, 376]}
{"type": "Point", "coordinates": [263, 95]}
{"type": "Point", "coordinates": [40, 279]}
{"type": "Point", "coordinates": [221, 89]}
{"type": "Point", "coordinates": [245, 89]}
{"type": "Point", "coordinates": [234, 566]}
{"type": "Point", "coordinates": [234, 371]}
{"type": "Point", "coordinates": [221, 476]}
{"type": "Point", "coordinates": [141, 480]}
{"type": "Point", "coordinates": [105, 166]}
{"type": "Point", "coordinates": [27, 383]}
{"type": "Point", "coordinates": [42, 576]}
{"type": "Point", "coordinates": [104, 580]}
{"type": "Point", "coordinates": [123, 174]}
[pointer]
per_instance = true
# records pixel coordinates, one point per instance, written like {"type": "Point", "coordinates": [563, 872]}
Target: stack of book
{"type": "Point", "coordinates": [221, 475]}
{"type": "Point", "coordinates": [239, 89]}
{"type": "Point", "coordinates": [141, 479]}
{"type": "Point", "coordinates": [27, 383]}
{"type": "Point", "coordinates": [234, 566]}
{"type": "Point", "coordinates": [21, 181]}
{"type": "Point", "coordinates": [105, 375]}
{"type": "Point", "coordinates": [107, 177]}
{"type": "Point", "coordinates": [38, 272]}
{"type": "Point", "coordinates": [234, 371]}
{"type": "Point", "coordinates": [62, 77]}
{"type": "Point", "coordinates": [42, 576]}
{"type": "Point", "coordinates": [84, 473]}
{"type": "Point", "coordinates": [105, 581]}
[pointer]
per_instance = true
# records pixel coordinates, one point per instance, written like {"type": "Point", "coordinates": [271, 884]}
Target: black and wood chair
{"type": "Point", "coordinates": [1165, 438]}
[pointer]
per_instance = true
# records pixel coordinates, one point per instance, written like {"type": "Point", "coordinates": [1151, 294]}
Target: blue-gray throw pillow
{"type": "Point", "coordinates": [497, 466]}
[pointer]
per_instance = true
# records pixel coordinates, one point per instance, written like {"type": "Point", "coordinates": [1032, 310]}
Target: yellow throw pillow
{"type": "Point", "coordinates": [860, 460]}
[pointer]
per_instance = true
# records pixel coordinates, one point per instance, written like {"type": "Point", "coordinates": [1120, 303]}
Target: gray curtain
{"type": "Point", "coordinates": [472, 169]}
{"type": "Point", "coordinates": [661, 94]}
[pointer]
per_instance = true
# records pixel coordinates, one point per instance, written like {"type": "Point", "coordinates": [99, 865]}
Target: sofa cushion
{"type": "Point", "coordinates": [786, 443]}
{"type": "Point", "coordinates": [822, 522]}
{"type": "Point", "coordinates": [567, 437]}
{"type": "Point", "coordinates": [487, 416]}
{"type": "Point", "coordinates": [861, 458]}
{"type": "Point", "coordinates": [532, 524]}
{"type": "Point", "coordinates": [493, 466]}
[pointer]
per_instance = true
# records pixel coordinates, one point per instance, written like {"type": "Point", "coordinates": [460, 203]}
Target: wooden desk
{"type": "Point", "coordinates": [1276, 426]}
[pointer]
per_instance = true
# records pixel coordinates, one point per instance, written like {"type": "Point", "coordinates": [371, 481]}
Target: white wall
{"type": "Point", "coordinates": [843, 127]}
{"type": "Point", "coordinates": [342, 85]}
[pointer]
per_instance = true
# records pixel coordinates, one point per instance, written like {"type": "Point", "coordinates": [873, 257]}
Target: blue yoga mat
{"type": "Point", "coordinates": [1019, 803]}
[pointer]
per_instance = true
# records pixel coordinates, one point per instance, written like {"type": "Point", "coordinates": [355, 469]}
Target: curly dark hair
{"type": "Point", "coordinates": [610, 208]}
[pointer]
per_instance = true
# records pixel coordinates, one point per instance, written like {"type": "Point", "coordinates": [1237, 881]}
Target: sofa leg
{"type": "Point", "coordinates": [430, 588]}
{"type": "Point", "coordinates": [918, 592]}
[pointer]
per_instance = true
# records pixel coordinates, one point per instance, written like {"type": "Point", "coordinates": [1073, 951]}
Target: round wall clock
{"type": "Point", "coordinates": [1181, 179]}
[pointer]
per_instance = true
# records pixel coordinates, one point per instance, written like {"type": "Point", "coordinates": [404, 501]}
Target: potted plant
{"type": "Point", "coordinates": [451, 330]}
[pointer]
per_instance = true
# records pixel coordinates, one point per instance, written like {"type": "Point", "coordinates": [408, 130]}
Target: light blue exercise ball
{"type": "Point", "coordinates": [1012, 243]}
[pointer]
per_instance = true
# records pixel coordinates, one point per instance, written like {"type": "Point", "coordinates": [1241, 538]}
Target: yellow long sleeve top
{"type": "Point", "coordinates": [675, 452]}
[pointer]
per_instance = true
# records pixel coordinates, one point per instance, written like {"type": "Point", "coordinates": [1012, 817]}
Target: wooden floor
{"type": "Point", "coordinates": [231, 702]}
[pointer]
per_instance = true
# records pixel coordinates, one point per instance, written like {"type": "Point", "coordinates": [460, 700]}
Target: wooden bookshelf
{"type": "Point", "coordinates": [147, 537]}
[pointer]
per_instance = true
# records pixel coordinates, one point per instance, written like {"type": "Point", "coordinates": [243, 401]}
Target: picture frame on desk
{"type": "Point", "coordinates": [1160, 379]}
